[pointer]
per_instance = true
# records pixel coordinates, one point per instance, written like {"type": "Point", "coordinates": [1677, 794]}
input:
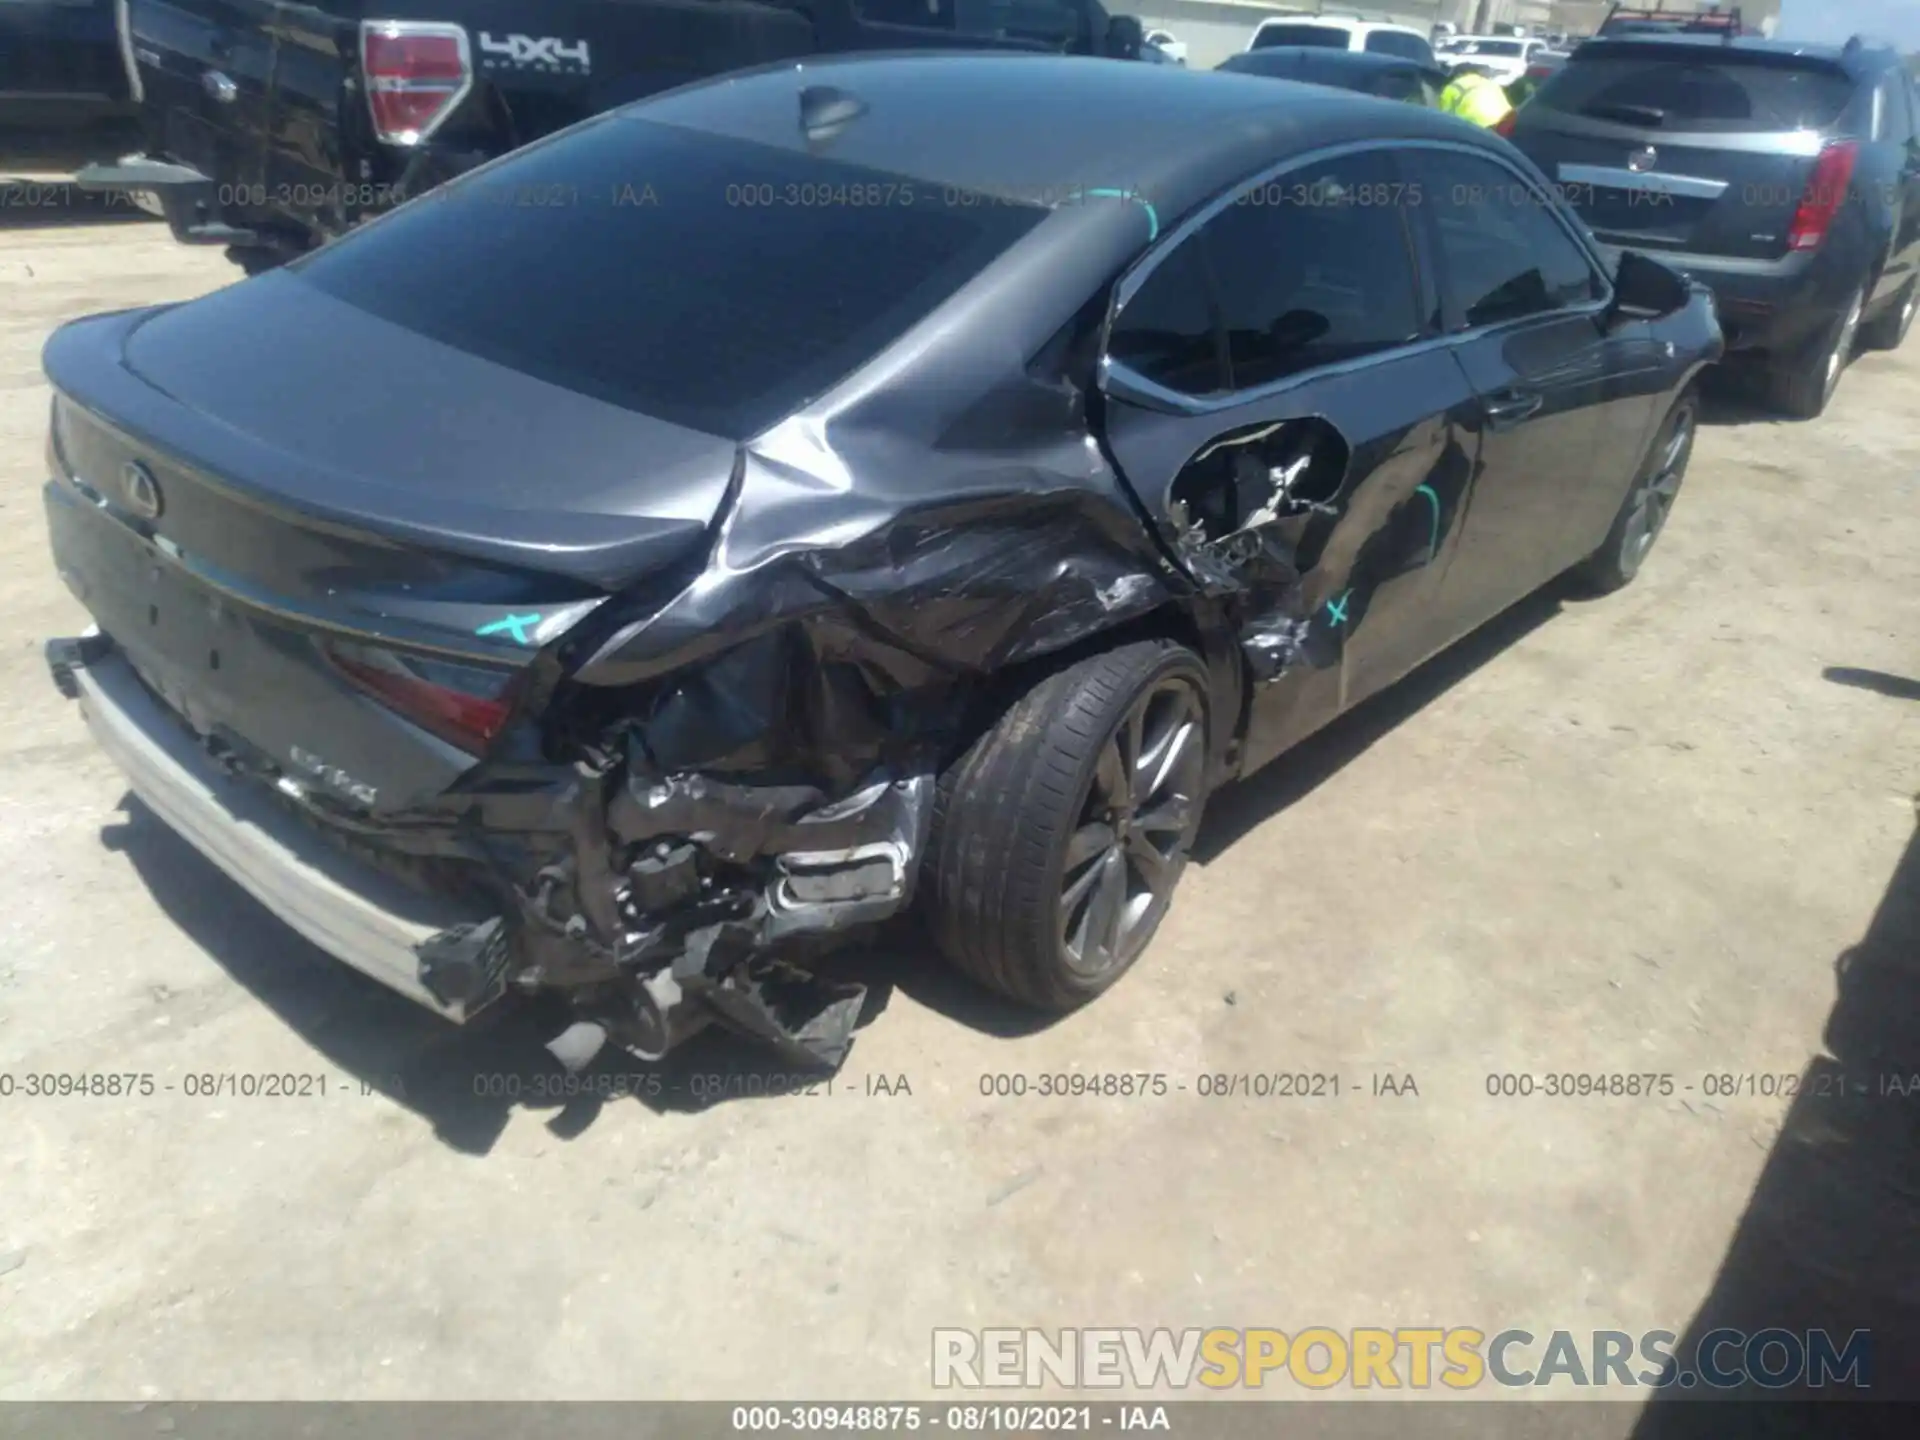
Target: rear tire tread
{"type": "Point", "coordinates": [999, 817]}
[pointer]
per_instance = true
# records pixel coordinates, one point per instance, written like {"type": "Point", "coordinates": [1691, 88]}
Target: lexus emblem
{"type": "Point", "coordinates": [141, 490]}
{"type": "Point", "coordinates": [1642, 161]}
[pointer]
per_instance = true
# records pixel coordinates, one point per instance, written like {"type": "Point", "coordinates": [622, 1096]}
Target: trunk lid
{"type": "Point", "coordinates": [1700, 149]}
{"type": "Point", "coordinates": [250, 487]}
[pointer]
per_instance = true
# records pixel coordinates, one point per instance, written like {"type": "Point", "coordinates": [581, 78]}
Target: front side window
{"type": "Point", "coordinates": [1311, 268]}
{"type": "Point", "coordinates": [1503, 254]}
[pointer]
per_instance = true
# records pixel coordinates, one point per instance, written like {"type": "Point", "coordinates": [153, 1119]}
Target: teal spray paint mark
{"type": "Point", "coordinates": [1433, 543]}
{"type": "Point", "coordinates": [1153, 216]}
{"type": "Point", "coordinates": [514, 625]}
{"type": "Point", "coordinates": [1337, 609]}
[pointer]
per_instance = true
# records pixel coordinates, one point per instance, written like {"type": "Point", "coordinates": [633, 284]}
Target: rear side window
{"type": "Point", "coordinates": [1310, 269]}
{"type": "Point", "coordinates": [1318, 37]}
{"type": "Point", "coordinates": [1167, 332]}
{"type": "Point", "coordinates": [708, 281]}
{"type": "Point", "coordinates": [1712, 93]}
{"type": "Point", "coordinates": [1407, 47]}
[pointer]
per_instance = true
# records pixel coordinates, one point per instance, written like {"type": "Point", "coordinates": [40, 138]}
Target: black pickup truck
{"type": "Point", "coordinates": [271, 125]}
{"type": "Point", "coordinates": [62, 60]}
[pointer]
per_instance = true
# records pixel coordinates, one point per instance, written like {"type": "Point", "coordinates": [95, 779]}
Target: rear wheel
{"type": "Point", "coordinates": [1059, 837]}
{"type": "Point", "coordinates": [1804, 385]}
{"type": "Point", "coordinates": [1889, 331]}
{"type": "Point", "coordinates": [1648, 503]}
{"type": "Point", "coordinates": [255, 259]}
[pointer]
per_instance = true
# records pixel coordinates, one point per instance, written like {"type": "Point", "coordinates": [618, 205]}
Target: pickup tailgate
{"type": "Point", "coordinates": [206, 67]}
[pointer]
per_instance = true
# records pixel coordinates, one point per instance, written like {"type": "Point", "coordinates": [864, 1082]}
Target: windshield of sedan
{"type": "Point", "coordinates": [708, 281]}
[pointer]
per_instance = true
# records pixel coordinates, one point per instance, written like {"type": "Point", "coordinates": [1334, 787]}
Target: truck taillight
{"type": "Point", "coordinates": [417, 73]}
{"type": "Point", "coordinates": [1825, 194]}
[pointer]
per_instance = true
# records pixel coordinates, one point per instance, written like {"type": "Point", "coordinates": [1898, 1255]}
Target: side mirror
{"type": "Point", "coordinates": [1644, 289]}
{"type": "Point", "coordinates": [1126, 37]}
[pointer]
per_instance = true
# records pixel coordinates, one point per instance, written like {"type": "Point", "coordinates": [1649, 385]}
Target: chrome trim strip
{"type": "Point", "coordinates": [1658, 182]}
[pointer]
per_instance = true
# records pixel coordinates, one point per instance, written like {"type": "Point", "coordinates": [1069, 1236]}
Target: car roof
{"type": "Point", "coordinates": [1855, 59]}
{"type": "Point", "coordinates": [1339, 22]}
{"type": "Point", "coordinates": [1319, 57]}
{"type": "Point", "coordinates": [1046, 125]}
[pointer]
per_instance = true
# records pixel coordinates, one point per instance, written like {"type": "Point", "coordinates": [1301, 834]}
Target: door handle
{"type": "Point", "coordinates": [1512, 407]}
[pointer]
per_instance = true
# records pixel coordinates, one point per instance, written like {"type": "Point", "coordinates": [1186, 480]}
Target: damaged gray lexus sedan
{"type": "Point", "coordinates": [684, 543]}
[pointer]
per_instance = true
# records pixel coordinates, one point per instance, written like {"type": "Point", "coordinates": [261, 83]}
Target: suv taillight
{"type": "Point", "coordinates": [1826, 193]}
{"type": "Point", "coordinates": [417, 73]}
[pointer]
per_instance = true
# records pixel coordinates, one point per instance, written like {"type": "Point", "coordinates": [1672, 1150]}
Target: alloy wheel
{"type": "Point", "coordinates": [1843, 346]}
{"type": "Point", "coordinates": [1135, 829]}
{"type": "Point", "coordinates": [1653, 499]}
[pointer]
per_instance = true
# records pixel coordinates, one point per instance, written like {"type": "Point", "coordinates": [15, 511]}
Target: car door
{"type": "Point", "coordinates": [1278, 405]}
{"type": "Point", "coordinates": [1564, 404]}
{"type": "Point", "coordinates": [1900, 130]}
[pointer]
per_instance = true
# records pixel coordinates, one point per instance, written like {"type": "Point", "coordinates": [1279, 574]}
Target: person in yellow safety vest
{"type": "Point", "coordinates": [1476, 96]}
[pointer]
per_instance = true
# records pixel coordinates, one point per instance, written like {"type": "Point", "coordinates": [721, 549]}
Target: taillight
{"type": "Point", "coordinates": [1504, 125]}
{"type": "Point", "coordinates": [417, 73]}
{"type": "Point", "coordinates": [1826, 193]}
{"type": "Point", "coordinates": [465, 705]}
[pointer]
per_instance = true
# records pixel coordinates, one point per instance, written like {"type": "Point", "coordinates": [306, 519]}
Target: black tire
{"type": "Point", "coordinates": [1007, 814]}
{"type": "Point", "coordinates": [1643, 514]}
{"type": "Point", "coordinates": [1803, 385]}
{"type": "Point", "coordinates": [1889, 329]}
{"type": "Point", "coordinates": [255, 259]}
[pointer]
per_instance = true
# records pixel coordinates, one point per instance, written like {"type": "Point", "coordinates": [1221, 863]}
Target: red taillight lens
{"type": "Point", "coordinates": [465, 705]}
{"type": "Point", "coordinates": [1504, 125]}
{"type": "Point", "coordinates": [416, 74]}
{"type": "Point", "coordinates": [1825, 194]}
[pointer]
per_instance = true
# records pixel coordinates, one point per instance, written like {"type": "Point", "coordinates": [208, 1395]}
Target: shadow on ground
{"type": "Point", "coordinates": [1830, 1240]}
{"type": "Point", "coordinates": [36, 163]}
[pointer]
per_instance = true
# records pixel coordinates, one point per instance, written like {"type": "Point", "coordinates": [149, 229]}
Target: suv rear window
{"type": "Point", "coordinates": [705, 280]}
{"type": "Point", "coordinates": [1708, 93]}
{"type": "Point", "coordinates": [1319, 37]}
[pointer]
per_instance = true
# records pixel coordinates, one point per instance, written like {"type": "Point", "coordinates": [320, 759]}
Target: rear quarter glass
{"type": "Point", "coordinates": [1702, 94]}
{"type": "Point", "coordinates": [703, 280]}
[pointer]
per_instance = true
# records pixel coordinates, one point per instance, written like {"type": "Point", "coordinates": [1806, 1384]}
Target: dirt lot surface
{"type": "Point", "coordinates": [1629, 836]}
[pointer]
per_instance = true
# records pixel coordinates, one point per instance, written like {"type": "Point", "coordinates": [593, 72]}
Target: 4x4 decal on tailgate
{"type": "Point", "coordinates": [535, 52]}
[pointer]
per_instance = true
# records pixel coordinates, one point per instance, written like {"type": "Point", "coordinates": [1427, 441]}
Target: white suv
{"type": "Point", "coordinates": [1327, 32]}
{"type": "Point", "coordinates": [1505, 57]}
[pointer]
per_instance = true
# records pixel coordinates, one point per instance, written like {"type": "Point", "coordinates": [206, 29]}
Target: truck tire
{"type": "Point", "coordinates": [255, 259]}
{"type": "Point", "coordinates": [1803, 385]}
{"type": "Point", "coordinates": [1889, 330]}
{"type": "Point", "coordinates": [1059, 838]}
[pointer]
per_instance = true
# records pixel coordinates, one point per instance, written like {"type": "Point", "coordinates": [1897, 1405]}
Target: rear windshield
{"type": "Point", "coordinates": [1320, 37]}
{"type": "Point", "coordinates": [1704, 94]}
{"type": "Point", "coordinates": [1488, 47]}
{"type": "Point", "coordinates": [1394, 42]}
{"type": "Point", "coordinates": [708, 281]}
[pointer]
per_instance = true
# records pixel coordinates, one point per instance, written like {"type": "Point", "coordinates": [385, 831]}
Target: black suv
{"type": "Point", "coordinates": [1784, 176]}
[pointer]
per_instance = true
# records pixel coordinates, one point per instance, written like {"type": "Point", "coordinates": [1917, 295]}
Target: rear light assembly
{"type": "Point", "coordinates": [1504, 125]}
{"type": "Point", "coordinates": [465, 705]}
{"type": "Point", "coordinates": [417, 73]}
{"type": "Point", "coordinates": [1825, 194]}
